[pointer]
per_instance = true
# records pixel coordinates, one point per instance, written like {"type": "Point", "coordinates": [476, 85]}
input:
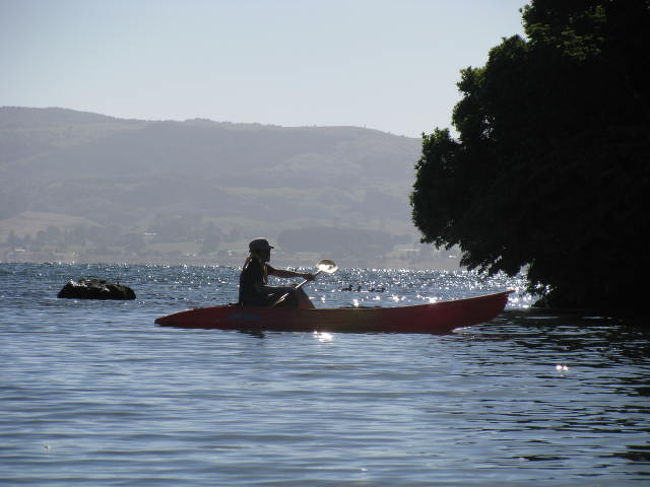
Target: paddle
{"type": "Point", "coordinates": [327, 266]}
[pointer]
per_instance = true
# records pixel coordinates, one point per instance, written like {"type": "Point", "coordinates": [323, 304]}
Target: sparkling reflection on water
{"type": "Point", "coordinates": [93, 393]}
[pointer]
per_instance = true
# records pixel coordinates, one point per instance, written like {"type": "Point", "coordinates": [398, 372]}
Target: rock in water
{"type": "Point", "coordinates": [95, 289]}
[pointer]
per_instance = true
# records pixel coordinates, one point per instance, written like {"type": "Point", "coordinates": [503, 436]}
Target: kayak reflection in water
{"type": "Point", "coordinates": [253, 280]}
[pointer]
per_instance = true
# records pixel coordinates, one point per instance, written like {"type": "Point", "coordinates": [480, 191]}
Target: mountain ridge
{"type": "Point", "coordinates": [233, 181]}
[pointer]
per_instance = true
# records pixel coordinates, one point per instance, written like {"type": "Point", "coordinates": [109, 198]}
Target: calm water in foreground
{"type": "Point", "coordinates": [93, 393]}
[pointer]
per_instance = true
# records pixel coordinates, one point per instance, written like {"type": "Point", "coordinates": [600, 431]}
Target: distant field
{"type": "Point", "coordinates": [30, 223]}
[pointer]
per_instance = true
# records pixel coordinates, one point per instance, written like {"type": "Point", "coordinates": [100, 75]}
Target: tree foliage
{"type": "Point", "coordinates": [550, 169]}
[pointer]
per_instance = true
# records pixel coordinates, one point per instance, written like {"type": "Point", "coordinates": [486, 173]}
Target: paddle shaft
{"type": "Point", "coordinates": [307, 280]}
{"type": "Point", "coordinates": [284, 296]}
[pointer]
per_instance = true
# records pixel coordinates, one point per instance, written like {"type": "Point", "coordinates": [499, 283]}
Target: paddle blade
{"type": "Point", "coordinates": [327, 266]}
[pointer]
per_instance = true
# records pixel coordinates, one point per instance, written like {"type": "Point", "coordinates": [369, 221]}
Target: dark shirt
{"type": "Point", "coordinates": [252, 282]}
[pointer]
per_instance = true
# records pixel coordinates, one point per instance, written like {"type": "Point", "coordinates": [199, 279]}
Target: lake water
{"type": "Point", "coordinates": [93, 393]}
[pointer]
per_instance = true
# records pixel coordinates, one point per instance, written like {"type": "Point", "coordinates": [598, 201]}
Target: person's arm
{"type": "Point", "coordinates": [287, 274]}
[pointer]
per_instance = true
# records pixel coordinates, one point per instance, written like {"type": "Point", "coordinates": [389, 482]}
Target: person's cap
{"type": "Point", "coordinates": [259, 244]}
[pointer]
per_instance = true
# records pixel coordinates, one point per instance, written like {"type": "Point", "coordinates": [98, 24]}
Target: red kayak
{"type": "Point", "coordinates": [439, 317]}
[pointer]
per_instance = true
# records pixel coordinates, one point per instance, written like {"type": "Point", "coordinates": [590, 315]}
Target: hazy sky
{"type": "Point", "coordinates": [385, 64]}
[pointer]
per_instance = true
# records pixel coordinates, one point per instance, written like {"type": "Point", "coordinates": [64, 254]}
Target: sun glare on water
{"type": "Point", "coordinates": [323, 336]}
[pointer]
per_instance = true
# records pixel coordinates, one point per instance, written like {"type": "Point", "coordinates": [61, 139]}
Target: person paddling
{"type": "Point", "coordinates": [253, 280]}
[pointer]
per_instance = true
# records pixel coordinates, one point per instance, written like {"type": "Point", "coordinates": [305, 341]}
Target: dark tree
{"type": "Point", "coordinates": [550, 171]}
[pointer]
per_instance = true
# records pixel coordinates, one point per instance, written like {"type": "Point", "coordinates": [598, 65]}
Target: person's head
{"type": "Point", "coordinates": [261, 249]}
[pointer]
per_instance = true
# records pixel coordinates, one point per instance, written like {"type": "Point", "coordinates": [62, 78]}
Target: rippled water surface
{"type": "Point", "coordinates": [93, 393]}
